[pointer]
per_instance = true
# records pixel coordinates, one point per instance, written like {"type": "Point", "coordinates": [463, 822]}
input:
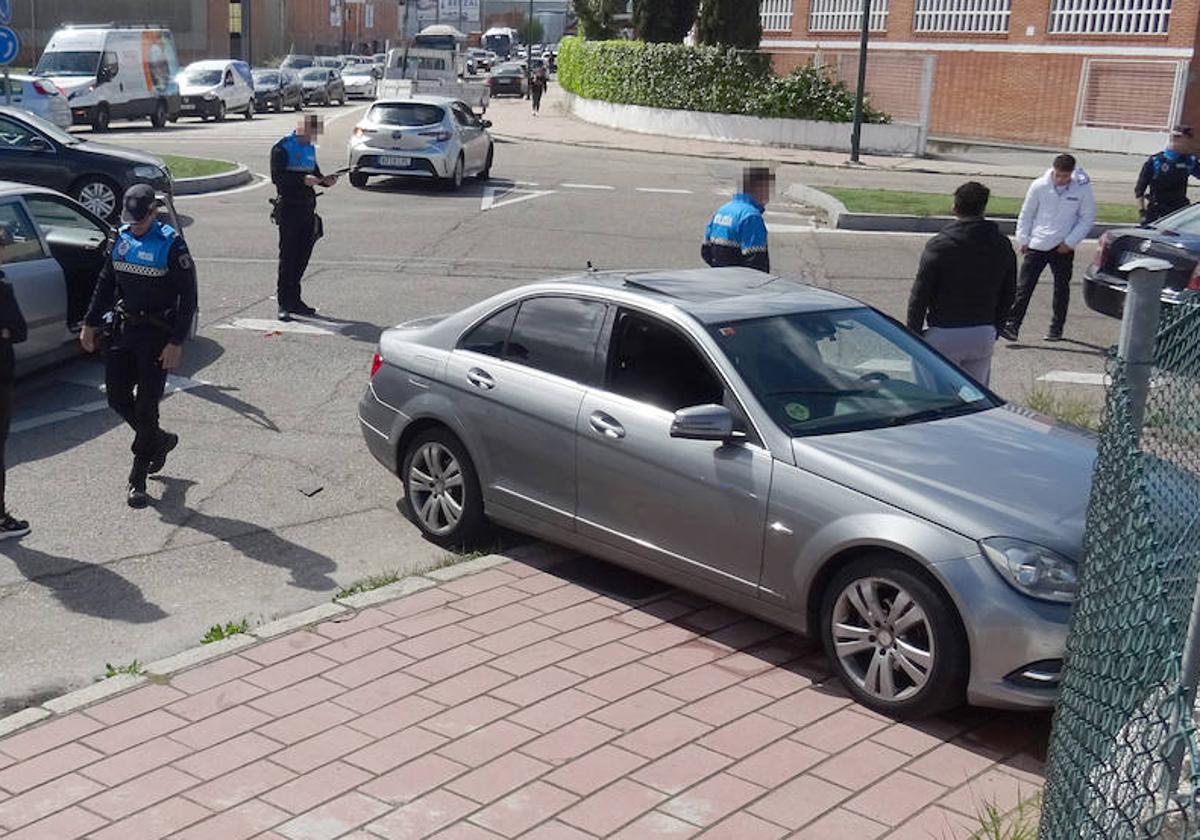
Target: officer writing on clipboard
{"type": "Point", "coordinates": [295, 173]}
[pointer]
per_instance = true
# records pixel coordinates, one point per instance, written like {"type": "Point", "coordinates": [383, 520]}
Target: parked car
{"type": "Point", "coordinates": [508, 79]}
{"type": "Point", "coordinates": [275, 90]}
{"type": "Point", "coordinates": [34, 151]}
{"type": "Point", "coordinates": [331, 61]}
{"type": "Point", "coordinates": [362, 79]}
{"type": "Point", "coordinates": [322, 85]}
{"type": "Point", "coordinates": [57, 252]}
{"type": "Point", "coordinates": [788, 451]}
{"type": "Point", "coordinates": [297, 61]}
{"type": "Point", "coordinates": [37, 96]}
{"type": "Point", "coordinates": [1175, 238]}
{"type": "Point", "coordinates": [211, 89]}
{"type": "Point", "coordinates": [426, 137]}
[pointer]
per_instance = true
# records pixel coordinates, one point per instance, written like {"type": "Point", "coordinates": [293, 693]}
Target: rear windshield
{"type": "Point", "coordinates": [408, 113]}
{"type": "Point", "coordinates": [266, 78]}
{"type": "Point", "coordinates": [509, 70]}
{"type": "Point", "coordinates": [298, 61]}
{"type": "Point", "coordinates": [1186, 221]}
{"type": "Point", "coordinates": [315, 74]}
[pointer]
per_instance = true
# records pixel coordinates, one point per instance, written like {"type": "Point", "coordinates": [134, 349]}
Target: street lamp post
{"type": "Point", "coordinates": [529, 44]}
{"type": "Point", "coordinates": [856, 132]}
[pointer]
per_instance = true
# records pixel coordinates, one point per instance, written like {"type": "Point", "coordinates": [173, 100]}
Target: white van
{"type": "Point", "coordinates": [213, 88]}
{"type": "Point", "coordinates": [113, 72]}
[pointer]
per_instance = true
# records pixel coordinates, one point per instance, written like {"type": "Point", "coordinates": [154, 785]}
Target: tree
{"type": "Point", "coordinates": [731, 23]}
{"type": "Point", "coordinates": [596, 18]}
{"type": "Point", "coordinates": [664, 21]}
{"type": "Point", "coordinates": [531, 31]}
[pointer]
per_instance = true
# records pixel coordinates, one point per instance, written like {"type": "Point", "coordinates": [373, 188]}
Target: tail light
{"type": "Point", "coordinates": [1194, 282]}
{"type": "Point", "coordinates": [376, 364]}
{"type": "Point", "coordinates": [359, 131]}
{"type": "Point", "coordinates": [45, 87]}
{"type": "Point", "coordinates": [440, 136]}
{"type": "Point", "coordinates": [1101, 251]}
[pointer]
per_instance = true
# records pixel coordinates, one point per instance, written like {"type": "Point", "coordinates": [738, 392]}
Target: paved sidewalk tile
{"type": "Point", "coordinates": [512, 702]}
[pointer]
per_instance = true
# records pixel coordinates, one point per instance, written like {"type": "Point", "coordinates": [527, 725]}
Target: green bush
{"type": "Point", "coordinates": [701, 79]}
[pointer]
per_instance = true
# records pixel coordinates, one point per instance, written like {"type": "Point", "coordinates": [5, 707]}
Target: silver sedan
{"type": "Point", "coordinates": [785, 450]}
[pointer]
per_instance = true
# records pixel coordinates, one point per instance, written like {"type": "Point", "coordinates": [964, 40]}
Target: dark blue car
{"type": "Point", "coordinates": [1174, 238]}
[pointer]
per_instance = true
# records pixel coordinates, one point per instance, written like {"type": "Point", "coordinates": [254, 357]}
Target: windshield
{"type": "Point", "coordinates": [819, 373]}
{"type": "Point", "coordinates": [50, 130]}
{"type": "Point", "coordinates": [298, 61]}
{"type": "Point", "coordinates": [406, 115]}
{"type": "Point", "coordinates": [316, 74]}
{"type": "Point", "coordinates": [498, 43]}
{"type": "Point", "coordinates": [266, 78]}
{"type": "Point", "coordinates": [200, 78]}
{"type": "Point", "coordinates": [68, 64]}
{"type": "Point", "coordinates": [435, 42]}
{"type": "Point", "coordinates": [1186, 221]}
{"type": "Point", "coordinates": [509, 70]}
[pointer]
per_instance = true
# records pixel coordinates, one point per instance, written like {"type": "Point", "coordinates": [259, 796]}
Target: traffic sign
{"type": "Point", "coordinates": [5, 11]}
{"type": "Point", "coordinates": [10, 45]}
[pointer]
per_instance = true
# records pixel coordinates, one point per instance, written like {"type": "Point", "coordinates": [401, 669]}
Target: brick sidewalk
{"type": "Point", "coordinates": [520, 701]}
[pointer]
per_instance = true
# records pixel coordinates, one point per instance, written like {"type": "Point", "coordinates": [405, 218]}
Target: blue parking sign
{"type": "Point", "coordinates": [10, 45]}
{"type": "Point", "coordinates": [5, 11]}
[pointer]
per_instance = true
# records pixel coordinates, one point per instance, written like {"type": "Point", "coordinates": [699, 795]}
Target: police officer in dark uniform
{"type": "Point", "coordinates": [737, 233]}
{"type": "Point", "coordinates": [147, 292]}
{"type": "Point", "coordinates": [294, 172]}
{"type": "Point", "coordinates": [1162, 185]}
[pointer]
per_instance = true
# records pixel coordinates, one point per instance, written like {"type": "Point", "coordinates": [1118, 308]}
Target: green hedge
{"type": "Point", "coordinates": [701, 79]}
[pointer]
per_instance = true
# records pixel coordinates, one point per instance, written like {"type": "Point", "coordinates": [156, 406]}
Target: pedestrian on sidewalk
{"type": "Point", "coordinates": [537, 87]}
{"type": "Point", "coordinates": [737, 234]}
{"type": "Point", "coordinates": [965, 285]}
{"type": "Point", "coordinates": [1057, 214]}
{"type": "Point", "coordinates": [12, 331]}
{"type": "Point", "coordinates": [1163, 182]}
{"type": "Point", "coordinates": [148, 289]}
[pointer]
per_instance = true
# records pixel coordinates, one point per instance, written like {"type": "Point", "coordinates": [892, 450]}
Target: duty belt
{"type": "Point", "coordinates": [140, 318]}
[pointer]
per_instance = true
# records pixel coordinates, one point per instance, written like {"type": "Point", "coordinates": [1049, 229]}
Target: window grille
{"type": "Point", "coordinates": [845, 16]}
{"type": "Point", "coordinates": [1110, 17]}
{"type": "Point", "coordinates": [776, 15]}
{"type": "Point", "coordinates": [984, 16]}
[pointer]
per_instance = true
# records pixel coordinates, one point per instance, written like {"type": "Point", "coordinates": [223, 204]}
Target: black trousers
{"type": "Point", "coordinates": [135, 381]}
{"type": "Point", "coordinates": [6, 406]}
{"type": "Point", "coordinates": [1031, 270]}
{"type": "Point", "coordinates": [296, 227]}
{"type": "Point", "coordinates": [537, 99]}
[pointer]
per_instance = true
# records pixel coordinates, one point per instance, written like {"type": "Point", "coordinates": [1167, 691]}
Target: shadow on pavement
{"type": "Point", "coordinates": [222, 395]}
{"type": "Point", "coordinates": [309, 569]}
{"type": "Point", "coordinates": [84, 588]}
{"type": "Point", "coordinates": [363, 331]}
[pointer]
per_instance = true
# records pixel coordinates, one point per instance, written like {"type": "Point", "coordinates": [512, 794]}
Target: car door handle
{"type": "Point", "coordinates": [607, 426]}
{"type": "Point", "coordinates": [481, 379]}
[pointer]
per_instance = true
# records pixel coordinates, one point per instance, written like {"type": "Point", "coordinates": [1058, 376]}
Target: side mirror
{"type": "Point", "coordinates": [38, 144]}
{"type": "Point", "coordinates": [229, 81]}
{"type": "Point", "coordinates": [486, 123]}
{"type": "Point", "coordinates": [106, 74]}
{"type": "Point", "coordinates": [703, 422]}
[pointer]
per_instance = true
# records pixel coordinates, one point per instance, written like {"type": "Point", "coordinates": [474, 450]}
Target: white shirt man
{"type": "Point", "coordinates": [1058, 213]}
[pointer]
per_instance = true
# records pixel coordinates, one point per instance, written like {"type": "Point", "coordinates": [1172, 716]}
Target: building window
{"type": "Point", "coordinates": [235, 17]}
{"type": "Point", "coordinates": [985, 16]}
{"type": "Point", "coordinates": [777, 15]}
{"type": "Point", "coordinates": [845, 16]}
{"type": "Point", "coordinates": [1110, 17]}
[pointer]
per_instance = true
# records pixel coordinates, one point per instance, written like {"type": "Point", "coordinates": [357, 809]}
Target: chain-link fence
{"type": "Point", "coordinates": [1123, 730]}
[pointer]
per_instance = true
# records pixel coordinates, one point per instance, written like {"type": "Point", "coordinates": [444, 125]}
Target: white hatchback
{"type": "Point", "coordinates": [424, 137]}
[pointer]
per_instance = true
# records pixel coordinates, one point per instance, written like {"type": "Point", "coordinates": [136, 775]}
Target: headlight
{"type": "Point", "coordinates": [1032, 569]}
{"type": "Point", "coordinates": [147, 171]}
{"type": "Point", "coordinates": [210, 96]}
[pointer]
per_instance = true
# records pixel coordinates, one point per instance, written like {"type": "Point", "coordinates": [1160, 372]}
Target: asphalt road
{"type": "Point", "coordinates": [271, 502]}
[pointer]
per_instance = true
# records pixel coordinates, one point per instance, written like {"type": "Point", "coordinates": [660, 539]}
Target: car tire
{"type": "Point", "coordinates": [250, 110]}
{"type": "Point", "coordinates": [455, 181]}
{"type": "Point", "coordinates": [299, 106]}
{"type": "Point", "coordinates": [923, 665]}
{"type": "Point", "coordinates": [486, 172]}
{"type": "Point", "coordinates": [359, 179]}
{"type": "Point", "coordinates": [342, 100]}
{"type": "Point", "coordinates": [432, 504]}
{"type": "Point", "coordinates": [159, 118]}
{"type": "Point", "coordinates": [220, 114]}
{"type": "Point", "coordinates": [99, 195]}
{"type": "Point", "coordinates": [101, 117]}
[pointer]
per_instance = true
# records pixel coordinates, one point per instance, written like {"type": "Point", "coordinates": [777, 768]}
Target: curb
{"type": "Point", "coordinates": [804, 194]}
{"type": "Point", "coordinates": [213, 183]}
{"type": "Point", "coordinates": [162, 670]}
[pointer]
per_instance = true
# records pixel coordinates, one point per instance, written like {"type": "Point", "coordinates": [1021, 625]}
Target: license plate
{"type": "Point", "coordinates": [187, 107]}
{"type": "Point", "coordinates": [393, 160]}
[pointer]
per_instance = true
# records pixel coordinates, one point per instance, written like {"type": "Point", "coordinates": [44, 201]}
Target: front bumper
{"type": "Point", "coordinates": [367, 89]}
{"type": "Point", "coordinates": [196, 106]}
{"type": "Point", "coordinates": [423, 163]}
{"type": "Point", "coordinates": [1016, 642]}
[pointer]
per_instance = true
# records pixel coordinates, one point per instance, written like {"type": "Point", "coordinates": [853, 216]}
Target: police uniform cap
{"type": "Point", "coordinates": [139, 202]}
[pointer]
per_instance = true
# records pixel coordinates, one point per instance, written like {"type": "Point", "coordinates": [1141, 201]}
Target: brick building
{"type": "Point", "coordinates": [1096, 74]}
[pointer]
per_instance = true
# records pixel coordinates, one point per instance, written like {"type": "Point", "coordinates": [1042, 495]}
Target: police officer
{"type": "Point", "coordinates": [1162, 185]}
{"type": "Point", "coordinates": [148, 289]}
{"type": "Point", "coordinates": [294, 172]}
{"type": "Point", "coordinates": [737, 234]}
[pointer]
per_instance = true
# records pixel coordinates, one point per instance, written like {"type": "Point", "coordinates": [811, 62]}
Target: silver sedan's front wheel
{"type": "Point", "coordinates": [894, 638]}
{"type": "Point", "coordinates": [442, 490]}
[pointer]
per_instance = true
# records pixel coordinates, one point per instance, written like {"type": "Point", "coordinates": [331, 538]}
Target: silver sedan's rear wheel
{"type": "Point", "coordinates": [894, 638]}
{"type": "Point", "coordinates": [442, 490]}
{"type": "Point", "coordinates": [100, 196]}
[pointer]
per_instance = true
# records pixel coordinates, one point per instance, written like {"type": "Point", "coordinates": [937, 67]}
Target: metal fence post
{"type": "Point", "coordinates": [1139, 326]}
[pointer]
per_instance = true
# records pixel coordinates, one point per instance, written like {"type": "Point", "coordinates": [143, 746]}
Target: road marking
{"type": "Point", "coordinates": [1074, 377]}
{"type": "Point", "coordinates": [270, 325]}
{"type": "Point", "coordinates": [492, 201]}
{"type": "Point", "coordinates": [586, 187]}
{"type": "Point", "coordinates": [527, 183]}
{"type": "Point", "coordinates": [663, 190]}
{"type": "Point", "coordinates": [174, 385]}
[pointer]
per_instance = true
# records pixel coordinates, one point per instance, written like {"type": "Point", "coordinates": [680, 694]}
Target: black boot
{"type": "Point", "coordinates": [136, 495]}
{"type": "Point", "coordinates": [167, 442]}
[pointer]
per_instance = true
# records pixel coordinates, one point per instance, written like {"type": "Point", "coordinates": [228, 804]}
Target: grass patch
{"type": "Point", "coordinates": [939, 204]}
{"type": "Point", "coordinates": [1071, 410]}
{"type": "Point", "coordinates": [368, 583]}
{"type": "Point", "coordinates": [192, 167]}
{"type": "Point", "coordinates": [232, 628]}
{"type": "Point", "coordinates": [134, 668]}
{"type": "Point", "coordinates": [1019, 824]}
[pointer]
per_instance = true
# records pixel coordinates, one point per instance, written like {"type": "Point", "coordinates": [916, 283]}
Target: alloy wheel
{"type": "Point", "coordinates": [436, 488]}
{"type": "Point", "coordinates": [98, 197]}
{"type": "Point", "coordinates": [883, 639]}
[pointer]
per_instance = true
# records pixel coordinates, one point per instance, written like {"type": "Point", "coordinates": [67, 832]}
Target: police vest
{"type": "Point", "coordinates": [145, 256]}
{"type": "Point", "coordinates": [1168, 185]}
{"type": "Point", "coordinates": [301, 157]}
{"type": "Point", "coordinates": [728, 227]}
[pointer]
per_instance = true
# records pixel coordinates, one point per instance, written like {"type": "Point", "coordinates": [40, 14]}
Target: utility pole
{"type": "Point", "coordinates": [856, 132]}
{"type": "Point", "coordinates": [529, 35]}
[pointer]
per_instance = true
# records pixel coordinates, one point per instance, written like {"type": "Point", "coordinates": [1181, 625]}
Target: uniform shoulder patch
{"type": "Point", "coordinates": [185, 261]}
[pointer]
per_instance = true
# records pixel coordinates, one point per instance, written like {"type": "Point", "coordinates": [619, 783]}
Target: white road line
{"type": "Point", "coordinates": [1074, 377]}
{"type": "Point", "coordinates": [662, 190]}
{"type": "Point", "coordinates": [526, 183]}
{"type": "Point", "coordinates": [272, 325]}
{"type": "Point", "coordinates": [586, 187]}
{"type": "Point", "coordinates": [491, 202]}
{"type": "Point", "coordinates": [174, 383]}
